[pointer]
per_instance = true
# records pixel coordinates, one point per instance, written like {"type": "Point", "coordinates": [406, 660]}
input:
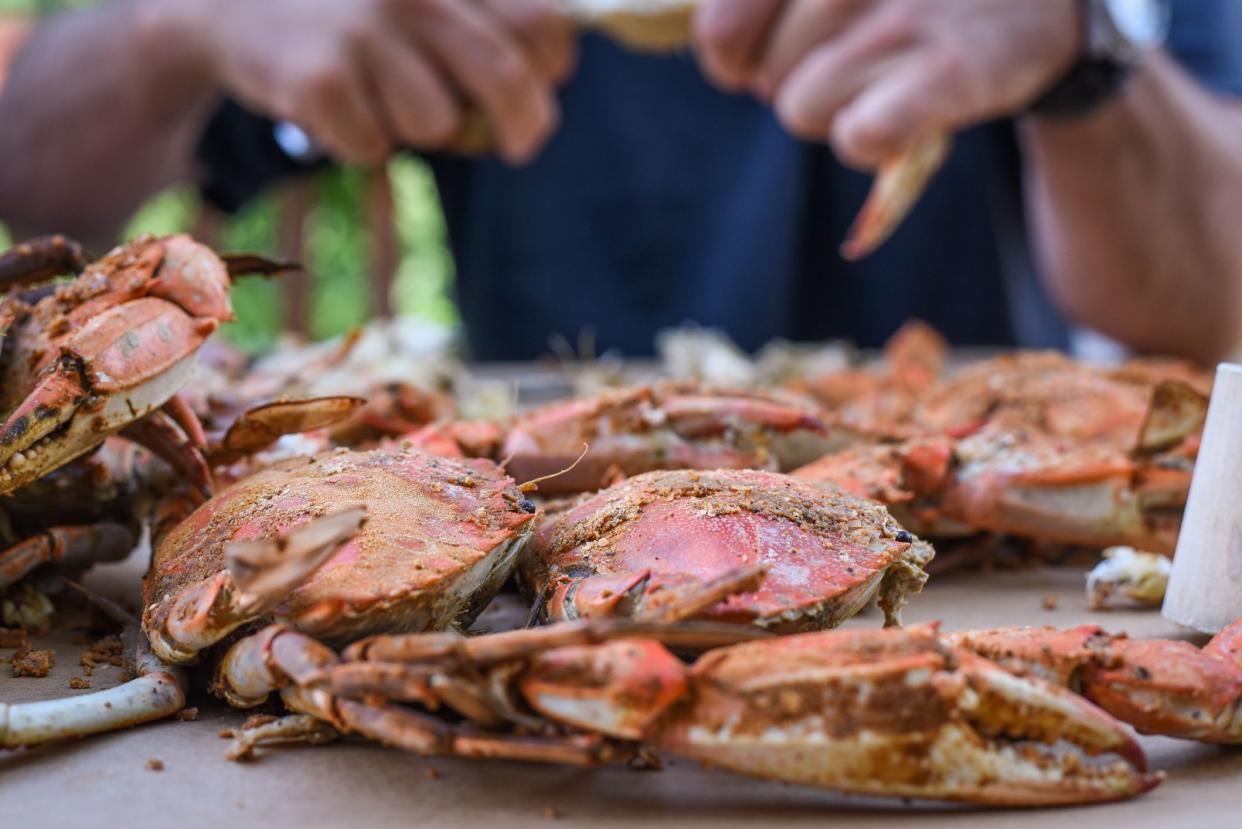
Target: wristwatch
{"type": "Point", "coordinates": [1118, 35]}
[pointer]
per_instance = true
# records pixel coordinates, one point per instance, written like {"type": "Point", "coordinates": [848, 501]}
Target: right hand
{"type": "Point", "coordinates": [364, 77]}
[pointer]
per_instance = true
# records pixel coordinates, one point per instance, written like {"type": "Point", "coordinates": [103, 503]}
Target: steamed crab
{"type": "Point", "coordinates": [85, 359]}
{"type": "Point", "coordinates": [295, 543]}
{"type": "Point", "coordinates": [779, 553]}
{"type": "Point", "coordinates": [92, 510]}
{"type": "Point", "coordinates": [106, 352]}
{"type": "Point", "coordinates": [588, 443]}
{"type": "Point", "coordinates": [1038, 446]}
{"type": "Point", "coordinates": [888, 713]}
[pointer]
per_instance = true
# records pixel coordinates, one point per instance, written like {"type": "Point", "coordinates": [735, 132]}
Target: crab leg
{"type": "Point", "coordinates": [426, 735]}
{"type": "Point", "coordinates": [39, 260]}
{"type": "Point", "coordinates": [185, 418]}
{"type": "Point", "coordinates": [73, 546]}
{"type": "Point", "coordinates": [485, 651]}
{"type": "Point", "coordinates": [164, 437]}
{"type": "Point", "coordinates": [900, 183]}
{"type": "Point", "coordinates": [1160, 687]}
{"type": "Point", "coordinates": [158, 692]}
{"type": "Point", "coordinates": [295, 728]}
{"type": "Point", "coordinates": [260, 575]}
{"type": "Point", "coordinates": [280, 659]}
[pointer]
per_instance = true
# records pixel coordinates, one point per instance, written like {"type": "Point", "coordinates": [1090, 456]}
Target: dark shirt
{"type": "Point", "coordinates": [662, 200]}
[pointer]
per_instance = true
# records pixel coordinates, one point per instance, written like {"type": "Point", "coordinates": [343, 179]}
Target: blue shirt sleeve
{"type": "Point", "coordinates": [1206, 38]}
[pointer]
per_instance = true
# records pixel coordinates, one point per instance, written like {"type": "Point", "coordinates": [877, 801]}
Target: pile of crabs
{"type": "Point", "coordinates": [687, 552]}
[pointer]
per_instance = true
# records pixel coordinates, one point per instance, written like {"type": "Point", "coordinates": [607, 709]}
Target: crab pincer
{"type": "Point", "coordinates": [1159, 686]}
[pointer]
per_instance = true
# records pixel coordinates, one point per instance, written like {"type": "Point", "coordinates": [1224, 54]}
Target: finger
{"type": "Point", "coordinates": [800, 29]}
{"type": "Point", "coordinates": [730, 37]}
{"type": "Point", "coordinates": [825, 81]}
{"type": "Point", "coordinates": [340, 113]}
{"type": "Point", "coordinates": [488, 66]}
{"type": "Point", "coordinates": [419, 108]}
{"type": "Point", "coordinates": [916, 99]}
{"type": "Point", "coordinates": [548, 36]}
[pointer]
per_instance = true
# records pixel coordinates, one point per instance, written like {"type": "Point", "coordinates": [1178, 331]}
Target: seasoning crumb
{"type": "Point", "coordinates": [13, 638]}
{"type": "Point", "coordinates": [36, 664]}
{"type": "Point", "coordinates": [225, 734]}
{"type": "Point", "coordinates": [551, 813]}
{"type": "Point", "coordinates": [155, 765]}
{"type": "Point", "coordinates": [79, 683]}
{"type": "Point", "coordinates": [432, 774]}
{"type": "Point", "coordinates": [1050, 603]}
{"type": "Point", "coordinates": [106, 651]}
{"type": "Point", "coordinates": [187, 714]}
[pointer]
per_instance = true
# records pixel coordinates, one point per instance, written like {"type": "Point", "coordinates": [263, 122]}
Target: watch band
{"type": "Point", "coordinates": [1110, 56]}
{"type": "Point", "coordinates": [1090, 83]}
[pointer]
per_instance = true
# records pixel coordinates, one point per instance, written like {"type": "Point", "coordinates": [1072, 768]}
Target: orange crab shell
{"type": "Point", "coordinates": [825, 554]}
{"type": "Point", "coordinates": [440, 539]}
{"type": "Point", "coordinates": [662, 426]}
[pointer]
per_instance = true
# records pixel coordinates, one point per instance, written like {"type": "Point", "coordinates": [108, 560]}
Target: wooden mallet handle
{"type": "Point", "coordinates": [1205, 588]}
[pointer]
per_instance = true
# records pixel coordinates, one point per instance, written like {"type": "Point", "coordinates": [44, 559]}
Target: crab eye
{"type": "Point", "coordinates": [905, 537]}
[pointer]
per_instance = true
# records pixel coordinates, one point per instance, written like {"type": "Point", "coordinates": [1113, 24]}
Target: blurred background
{"type": "Point", "coordinates": [372, 241]}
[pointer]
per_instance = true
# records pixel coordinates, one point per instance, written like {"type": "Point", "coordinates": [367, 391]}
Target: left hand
{"type": "Point", "coordinates": [873, 76]}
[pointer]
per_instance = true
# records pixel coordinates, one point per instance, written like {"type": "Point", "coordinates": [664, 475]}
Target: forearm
{"type": "Point", "coordinates": [1135, 214]}
{"type": "Point", "coordinates": [101, 109]}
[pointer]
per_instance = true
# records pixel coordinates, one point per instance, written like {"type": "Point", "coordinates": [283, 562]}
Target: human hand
{"type": "Point", "coordinates": [365, 76]}
{"type": "Point", "coordinates": [872, 77]}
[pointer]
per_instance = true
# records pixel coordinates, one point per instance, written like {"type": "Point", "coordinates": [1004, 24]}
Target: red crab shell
{"type": "Point", "coordinates": [440, 539]}
{"type": "Point", "coordinates": [633, 547]}
{"type": "Point", "coordinates": [662, 426]}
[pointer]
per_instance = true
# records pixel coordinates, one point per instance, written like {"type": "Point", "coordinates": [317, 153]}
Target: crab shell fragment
{"type": "Point", "coordinates": [440, 539]}
{"type": "Point", "coordinates": [642, 544]}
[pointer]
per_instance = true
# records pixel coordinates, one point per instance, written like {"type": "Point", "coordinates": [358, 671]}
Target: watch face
{"type": "Point", "coordinates": [1145, 23]}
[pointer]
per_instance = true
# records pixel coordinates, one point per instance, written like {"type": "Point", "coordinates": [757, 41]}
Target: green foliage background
{"type": "Point", "coordinates": [337, 239]}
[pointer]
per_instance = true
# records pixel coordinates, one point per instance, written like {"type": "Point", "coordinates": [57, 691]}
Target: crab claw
{"type": "Point", "coordinates": [1159, 686]}
{"type": "Point", "coordinates": [117, 368]}
{"type": "Point", "coordinates": [897, 189]}
{"type": "Point", "coordinates": [898, 713]}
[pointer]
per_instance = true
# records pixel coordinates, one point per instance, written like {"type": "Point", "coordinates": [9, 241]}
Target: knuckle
{"type": "Point", "coordinates": [509, 72]}
{"type": "Point", "coordinates": [860, 142]}
{"type": "Point", "coordinates": [798, 119]}
{"type": "Point", "coordinates": [438, 126]}
{"type": "Point", "coordinates": [949, 70]}
{"type": "Point", "coordinates": [323, 82]}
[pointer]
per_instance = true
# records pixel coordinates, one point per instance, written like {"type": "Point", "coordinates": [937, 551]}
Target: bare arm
{"type": "Point", "coordinates": [103, 107]}
{"type": "Point", "coordinates": [1135, 208]}
{"type": "Point", "coordinates": [100, 110]}
{"type": "Point", "coordinates": [1136, 211]}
